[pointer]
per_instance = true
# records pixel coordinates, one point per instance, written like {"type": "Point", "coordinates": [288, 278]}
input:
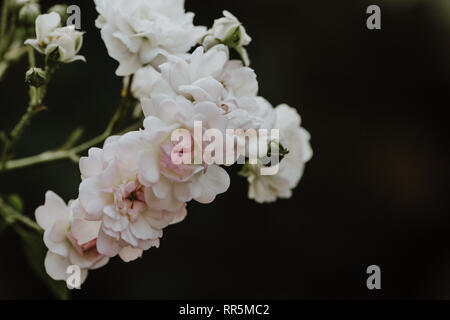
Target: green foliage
{"type": "Point", "coordinates": [34, 248]}
{"type": "Point", "coordinates": [35, 252]}
{"type": "Point", "coordinates": [16, 202]}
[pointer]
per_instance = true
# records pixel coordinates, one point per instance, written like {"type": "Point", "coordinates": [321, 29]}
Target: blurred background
{"type": "Point", "coordinates": [376, 191]}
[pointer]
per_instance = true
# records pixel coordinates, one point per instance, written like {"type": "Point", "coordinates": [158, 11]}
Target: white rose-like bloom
{"type": "Point", "coordinates": [184, 182]}
{"type": "Point", "coordinates": [50, 37]}
{"type": "Point", "coordinates": [211, 76]}
{"type": "Point", "coordinates": [70, 239]}
{"type": "Point", "coordinates": [131, 219]}
{"type": "Point", "coordinates": [136, 32]}
{"type": "Point", "coordinates": [268, 188]}
{"type": "Point", "coordinates": [229, 31]}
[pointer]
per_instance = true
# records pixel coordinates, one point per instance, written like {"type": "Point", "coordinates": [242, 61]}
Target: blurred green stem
{"type": "Point", "coordinates": [37, 96]}
{"type": "Point", "coordinates": [11, 41]}
{"type": "Point", "coordinates": [31, 57]}
{"type": "Point", "coordinates": [73, 153]}
{"type": "Point", "coordinates": [14, 54]}
{"type": "Point", "coordinates": [4, 17]}
{"type": "Point", "coordinates": [11, 215]}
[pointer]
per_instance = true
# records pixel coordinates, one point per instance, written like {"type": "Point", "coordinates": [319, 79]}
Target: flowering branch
{"type": "Point", "coordinates": [37, 95]}
{"type": "Point", "coordinates": [73, 153]}
{"type": "Point", "coordinates": [133, 188]}
{"type": "Point", "coordinates": [11, 215]}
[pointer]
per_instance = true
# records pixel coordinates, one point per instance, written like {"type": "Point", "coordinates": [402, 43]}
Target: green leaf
{"type": "Point", "coordinates": [35, 252]}
{"type": "Point", "coordinates": [16, 202]}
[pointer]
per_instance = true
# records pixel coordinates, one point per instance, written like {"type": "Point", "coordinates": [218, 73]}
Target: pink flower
{"type": "Point", "coordinates": [180, 182]}
{"type": "Point", "coordinates": [131, 217]}
{"type": "Point", "coordinates": [69, 239]}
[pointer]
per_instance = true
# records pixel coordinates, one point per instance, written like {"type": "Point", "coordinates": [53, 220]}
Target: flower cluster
{"type": "Point", "coordinates": [133, 187]}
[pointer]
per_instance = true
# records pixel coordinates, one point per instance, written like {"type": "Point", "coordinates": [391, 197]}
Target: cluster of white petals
{"type": "Point", "coordinates": [132, 189]}
{"type": "Point", "coordinates": [212, 77]}
{"type": "Point", "coordinates": [268, 188]}
{"type": "Point", "coordinates": [51, 38]}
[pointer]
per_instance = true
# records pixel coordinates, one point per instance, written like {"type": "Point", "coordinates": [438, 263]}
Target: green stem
{"type": "Point", "coordinates": [4, 17]}
{"type": "Point", "coordinates": [31, 57]}
{"type": "Point", "coordinates": [11, 57]}
{"type": "Point", "coordinates": [72, 154]}
{"type": "Point", "coordinates": [11, 216]}
{"type": "Point", "coordinates": [37, 95]}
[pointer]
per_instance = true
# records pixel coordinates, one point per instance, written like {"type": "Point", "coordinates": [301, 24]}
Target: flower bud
{"type": "Point", "coordinates": [29, 13]}
{"type": "Point", "coordinates": [35, 77]}
{"type": "Point", "coordinates": [229, 31]}
{"type": "Point", "coordinates": [60, 9]}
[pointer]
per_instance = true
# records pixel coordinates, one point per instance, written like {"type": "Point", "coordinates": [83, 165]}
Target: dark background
{"type": "Point", "coordinates": [376, 191]}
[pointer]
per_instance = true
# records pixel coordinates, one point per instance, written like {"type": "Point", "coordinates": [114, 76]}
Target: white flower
{"type": "Point", "coordinates": [70, 239]}
{"type": "Point", "coordinates": [229, 31]}
{"type": "Point", "coordinates": [267, 188]}
{"type": "Point", "coordinates": [131, 219]}
{"type": "Point", "coordinates": [136, 32]}
{"type": "Point", "coordinates": [211, 76]}
{"type": "Point", "coordinates": [150, 150]}
{"type": "Point", "coordinates": [143, 81]}
{"type": "Point", "coordinates": [63, 44]}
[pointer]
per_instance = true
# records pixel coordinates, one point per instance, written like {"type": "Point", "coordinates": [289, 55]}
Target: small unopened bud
{"type": "Point", "coordinates": [35, 77]}
{"type": "Point", "coordinates": [229, 31]}
{"type": "Point", "coordinates": [29, 13]}
{"type": "Point", "coordinates": [233, 38]}
{"type": "Point", "coordinates": [60, 9]}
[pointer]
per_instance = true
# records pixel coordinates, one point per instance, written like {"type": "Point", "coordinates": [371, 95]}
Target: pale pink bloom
{"type": "Point", "coordinates": [69, 239]}
{"type": "Point", "coordinates": [200, 182]}
{"type": "Point", "coordinates": [131, 219]}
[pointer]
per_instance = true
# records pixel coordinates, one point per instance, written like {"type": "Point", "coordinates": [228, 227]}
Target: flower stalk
{"type": "Point", "coordinates": [73, 153]}
{"type": "Point", "coordinates": [11, 215]}
{"type": "Point", "coordinates": [4, 17]}
{"type": "Point", "coordinates": [36, 98]}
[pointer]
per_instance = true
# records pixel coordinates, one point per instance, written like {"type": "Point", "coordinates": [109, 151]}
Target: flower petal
{"type": "Point", "coordinates": [129, 254]}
